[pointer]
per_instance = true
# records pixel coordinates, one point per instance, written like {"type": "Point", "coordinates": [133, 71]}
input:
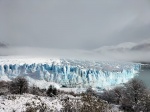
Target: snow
{"type": "Point", "coordinates": [42, 83]}
{"type": "Point", "coordinates": [26, 60]}
{"type": "Point", "coordinates": [5, 78]}
{"type": "Point", "coordinates": [20, 103]}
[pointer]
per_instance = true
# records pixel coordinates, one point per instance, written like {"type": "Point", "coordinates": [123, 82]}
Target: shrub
{"type": "Point", "coordinates": [93, 104]}
{"type": "Point", "coordinates": [4, 87]}
{"type": "Point", "coordinates": [71, 105]}
{"type": "Point", "coordinates": [52, 91]}
{"type": "Point", "coordinates": [31, 109]}
{"type": "Point", "coordinates": [132, 97]}
{"type": "Point", "coordinates": [37, 91]}
{"type": "Point", "coordinates": [90, 91]}
{"type": "Point", "coordinates": [87, 103]}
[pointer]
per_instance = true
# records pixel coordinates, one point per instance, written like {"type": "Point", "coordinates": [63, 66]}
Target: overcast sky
{"type": "Point", "coordinates": [73, 24]}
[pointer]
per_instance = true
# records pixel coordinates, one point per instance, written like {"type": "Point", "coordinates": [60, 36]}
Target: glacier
{"type": "Point", "coordinates": [71, 73]}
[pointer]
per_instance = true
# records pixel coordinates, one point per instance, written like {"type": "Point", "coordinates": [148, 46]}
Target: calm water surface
{"type": "Point", "coordinates": [144, 75]}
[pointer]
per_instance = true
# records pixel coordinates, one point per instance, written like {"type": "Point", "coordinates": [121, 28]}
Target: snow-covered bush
{"type": "Point", "coordinates": [71, 105]}
{"type": "Point", "coordinates": [85, 103]}
{"type": "Point", "coordinates": [93, 104]}
{"type": "Point", "coordinates": [132, 97]}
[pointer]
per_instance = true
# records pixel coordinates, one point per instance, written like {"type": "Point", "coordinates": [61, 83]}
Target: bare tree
{"type": "Point", "coordinates": [134, 95]}
{"type": "Point", "coordinates": [113, 96]}
{"type": "Point", "coordinates": [19, 85]}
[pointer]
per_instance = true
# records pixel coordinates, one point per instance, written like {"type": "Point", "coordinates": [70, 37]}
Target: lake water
{"type": "Point", "coordinates": [144, 75]}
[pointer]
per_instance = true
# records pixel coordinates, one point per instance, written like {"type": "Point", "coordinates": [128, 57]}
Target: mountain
{"type": "Point", "coordinates": [3, 45]}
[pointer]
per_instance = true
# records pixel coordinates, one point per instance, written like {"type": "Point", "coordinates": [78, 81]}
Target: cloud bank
{"type": "Point", "coordinates": [97, 30]}
{"type": "Point", "coordinates": [65, 24]}
{"type": "Point", "coordinates": [137, 52]}
{"type": "Point", "coordinates": [128, 51]}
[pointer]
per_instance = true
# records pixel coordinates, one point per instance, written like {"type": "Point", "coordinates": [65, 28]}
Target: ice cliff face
{"type": "Point", "coordinates": [73, 73]}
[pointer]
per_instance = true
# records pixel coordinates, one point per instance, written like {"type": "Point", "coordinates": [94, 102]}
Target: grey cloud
{"type": "Point", "coordinates": [2, 45]}
{"type": "Point", "coordinates": [127, 51]}
{"type": "Point", "coordinates": [141, 47]}
{"type": "Point", "coordinates": [98, 30]}
{"type": "Point", "coordinates": [127, 47]}
{"type": "Point", "coordinates": [73, 24]}
{"type": "Point", "coordinates": [138, 52]}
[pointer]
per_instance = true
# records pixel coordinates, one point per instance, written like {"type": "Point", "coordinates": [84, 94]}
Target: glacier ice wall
{"type": "Point", "coordinates": [75, 73]}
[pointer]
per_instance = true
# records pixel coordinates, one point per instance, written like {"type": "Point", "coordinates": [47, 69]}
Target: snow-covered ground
{"type": "Point", "coordinates": [20, 103]}
{"type": "Point", "coordinates": [27, 60]}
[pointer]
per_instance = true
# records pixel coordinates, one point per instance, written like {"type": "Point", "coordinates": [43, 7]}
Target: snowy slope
{"type": "Point", "coordinates": [26, 60]}
{"type": "Point", "coordinates": [20, 103]}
